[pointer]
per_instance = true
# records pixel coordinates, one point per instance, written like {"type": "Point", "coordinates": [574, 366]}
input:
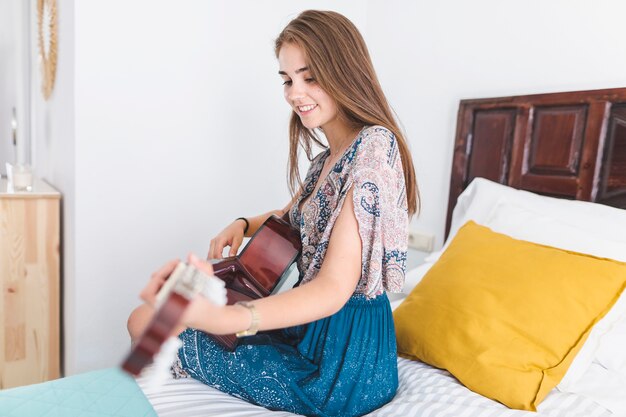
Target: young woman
{"type": "Point", "coordinates": [336, 352]}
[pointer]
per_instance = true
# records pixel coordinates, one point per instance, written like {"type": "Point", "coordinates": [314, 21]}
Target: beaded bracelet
{"type": "Point", "coordinates": [245, 230]}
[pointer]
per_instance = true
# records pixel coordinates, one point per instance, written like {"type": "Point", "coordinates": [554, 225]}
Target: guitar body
{"type": "Point", "coordinates": [260, 269]}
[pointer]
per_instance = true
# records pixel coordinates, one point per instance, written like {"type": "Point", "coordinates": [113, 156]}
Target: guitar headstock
{"type": "Point", "coordinates": [187, 281]}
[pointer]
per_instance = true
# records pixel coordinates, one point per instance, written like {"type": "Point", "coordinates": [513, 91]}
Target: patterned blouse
{"type": "Point", "coordinates": [372, 167]}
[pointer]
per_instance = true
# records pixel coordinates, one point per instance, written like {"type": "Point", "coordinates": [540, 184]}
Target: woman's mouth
{"type": "Point", "coordinates": [304, 110]}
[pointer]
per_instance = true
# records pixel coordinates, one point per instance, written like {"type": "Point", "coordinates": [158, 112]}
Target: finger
{"type": "Point", "coordinates": [156, 281]}
{"type": "Point", "coordinates": [216, 248]}
{"type": "Point", "coordinates": [219, 248]}
{"type": "Point", "coordinates": [166, 270]}
{"type": "Point", "coordinates": [234, 247]}
{"type": "Point", "coordinates": [150, 290]}
{"type": "Point", "coordinates": [148, 294]}
{"type": "Point", "coordinates": [212, 250]}
{"type": "Point", "coordinates": [162, 274]}
{"type": "Point", "coordinates": [202, 265]}
{"type": "Point", "coordinates": [216, 251]}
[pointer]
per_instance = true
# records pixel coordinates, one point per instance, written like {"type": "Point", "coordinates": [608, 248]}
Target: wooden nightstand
{"type": "Point", "coordinates": [29, 280]}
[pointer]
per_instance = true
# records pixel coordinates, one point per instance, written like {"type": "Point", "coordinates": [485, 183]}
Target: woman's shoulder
{"type": "Point", "coordinates": [376, 141]}
{"type": "Point", "coordinates": [377, 132]}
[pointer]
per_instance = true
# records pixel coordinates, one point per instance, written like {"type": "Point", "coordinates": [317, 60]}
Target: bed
{"type": "Point", "coordinates": [547, 169]}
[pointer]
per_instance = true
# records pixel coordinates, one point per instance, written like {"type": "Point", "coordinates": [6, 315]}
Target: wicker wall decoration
{"type": "Point", "coordinates": [48, 43]}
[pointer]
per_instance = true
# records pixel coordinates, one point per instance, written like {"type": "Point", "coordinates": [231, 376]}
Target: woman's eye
{"type": "Point", "coordinates": [310, 80]}
{"type": "Point", "coordinates": [287, 82]}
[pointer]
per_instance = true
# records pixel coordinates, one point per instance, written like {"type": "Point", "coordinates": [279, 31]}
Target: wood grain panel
{"type": "Point", "coordinates": [484, 135]}
{"type": "Point", "coordinates": [490, 144]}
{"type": "Point", "coordinates": [616, 178]}
{"type": "Point", "coordinates": [613, 177]}
{"type": "Point", "coordinates": [30, 275]}
{"type": "Point", "coordinates": [13, 286]}
{"type": "Point", "coordinates": [591, 159]}
{"type": "Point", "coordinates": [563, 150]}
{"type": "Point", "coordinates": [458, 178]}
{"type": "Point", "coordinates": [556, 139]}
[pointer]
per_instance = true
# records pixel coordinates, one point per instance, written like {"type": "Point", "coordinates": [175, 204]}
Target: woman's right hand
{"type": "Point", "coordinates": [231, 236]}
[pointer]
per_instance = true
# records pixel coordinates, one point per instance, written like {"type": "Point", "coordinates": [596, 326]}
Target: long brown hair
{"type": "Point", "coordinates": [338, 59]}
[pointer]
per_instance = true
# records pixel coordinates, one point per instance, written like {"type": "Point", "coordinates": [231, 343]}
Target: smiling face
{"type": "Point", "coordinates": [312, 104]}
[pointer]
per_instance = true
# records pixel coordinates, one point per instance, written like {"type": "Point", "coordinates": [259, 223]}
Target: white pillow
{"type": "Point", "coordinates": [475, 203]}
{"type": "Point", "coordinates": [604, 387]}
{"type": "Point", "coordinates": [578, 226]}
{"type": "Point", "coordinates": [479, 199]}
{"type": "Point", "coordinates": [527, 224]}
{"type": "Point", "coordinates": [612, 342]}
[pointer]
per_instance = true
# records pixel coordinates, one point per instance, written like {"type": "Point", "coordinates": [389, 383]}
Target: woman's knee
{"type": "Point", "coordinates": [138, 320]}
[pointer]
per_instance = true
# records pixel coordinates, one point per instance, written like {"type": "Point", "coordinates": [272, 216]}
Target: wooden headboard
{"type": "Point", "coordinates": [570, 145]}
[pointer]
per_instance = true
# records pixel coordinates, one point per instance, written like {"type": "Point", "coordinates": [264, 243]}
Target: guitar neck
{"type": "Point", "coordinates": [181, 286]}
{"type": "Point", "coordinates": [158, 330]}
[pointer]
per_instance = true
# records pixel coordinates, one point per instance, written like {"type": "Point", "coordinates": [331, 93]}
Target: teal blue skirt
{"type": "Point", "coordinates": [342, 365]}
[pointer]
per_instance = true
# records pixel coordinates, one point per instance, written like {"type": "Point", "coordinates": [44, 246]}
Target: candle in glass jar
{"type": "Point", "coordinates": [22, 178]}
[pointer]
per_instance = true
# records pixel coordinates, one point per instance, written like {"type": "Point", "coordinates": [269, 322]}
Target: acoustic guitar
{"type": "Point", "coordinates": [259, 270]}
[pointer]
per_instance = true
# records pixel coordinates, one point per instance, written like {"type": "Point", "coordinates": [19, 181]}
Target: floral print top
{"type": "Point", "coordinates": [372, 167]}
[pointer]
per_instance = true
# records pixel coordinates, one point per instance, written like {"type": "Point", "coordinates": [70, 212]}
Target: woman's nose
{"type": "Point", "coordinates": [296, 92]}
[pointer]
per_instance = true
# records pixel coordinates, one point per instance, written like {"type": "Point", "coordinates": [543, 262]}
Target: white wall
{"type": "Point", "coordinates": [14, 82]}
{"type": "Point", "coordinates": [53, 158]}
{"type": "Point", "coordinates": [8, 45]}
{"type": "Point", "coordinates": [177, 126]}
{"type": "Point", "coordinates": [431, 54]}
{"type": "Point", "coordinates": [167, 120]}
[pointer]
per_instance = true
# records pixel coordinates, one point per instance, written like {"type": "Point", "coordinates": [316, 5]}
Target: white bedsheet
{"type": "Point", "coordinates": [423, 391]}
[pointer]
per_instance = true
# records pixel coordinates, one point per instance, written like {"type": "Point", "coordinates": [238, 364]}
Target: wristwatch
{"type": "Point", "coordinates": [254, 325]}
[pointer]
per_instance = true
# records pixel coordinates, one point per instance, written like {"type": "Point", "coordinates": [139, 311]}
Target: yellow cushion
{"type": "Point", "coordinates": [506, 317]}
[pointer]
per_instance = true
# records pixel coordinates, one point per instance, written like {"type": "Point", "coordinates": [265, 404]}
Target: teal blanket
{"type": "Point", "coordinates": [106, 392]}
